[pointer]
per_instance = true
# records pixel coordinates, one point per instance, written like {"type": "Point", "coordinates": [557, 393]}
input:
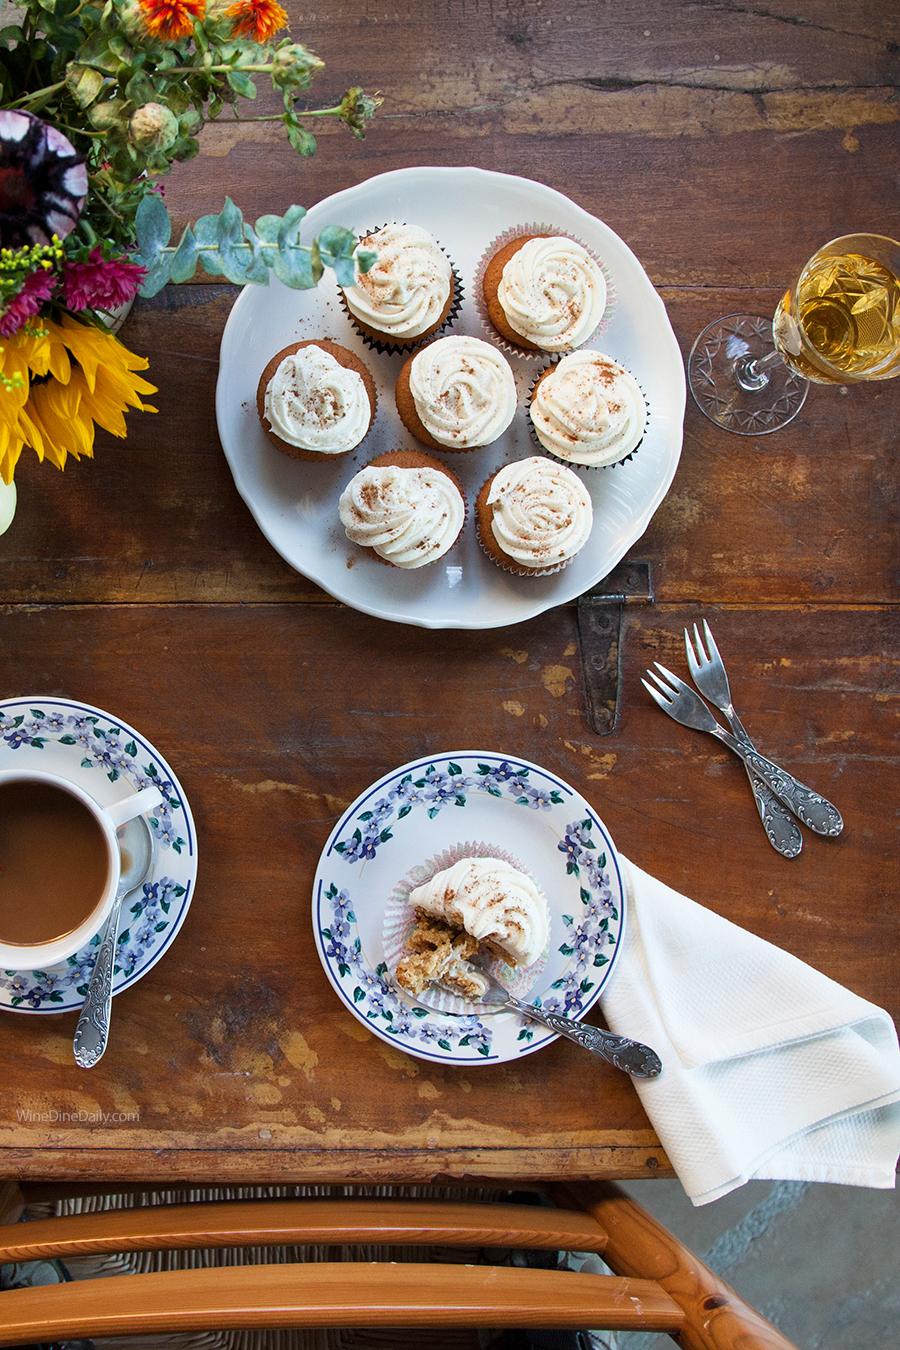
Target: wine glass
{"type": "Point", "coordinates": [838, 324]}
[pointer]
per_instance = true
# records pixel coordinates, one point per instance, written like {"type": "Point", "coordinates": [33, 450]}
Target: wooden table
{"type": "Point", "coordinates": [723, 145]}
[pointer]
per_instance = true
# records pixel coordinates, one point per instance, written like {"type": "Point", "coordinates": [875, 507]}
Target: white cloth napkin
{"type": "Point", "coordinates": [770, 1069]}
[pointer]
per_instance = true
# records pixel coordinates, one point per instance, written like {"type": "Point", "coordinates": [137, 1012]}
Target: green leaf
{"type": "Point", "coordinates": [153, 227]}
{"type": "Point", "coordinates": [293, 267]}
{"type": "Point", "coordinates": [241, 83]}
{"type": "Point", "coordinates": [289, 233]}
{"type": "Point", "coordinates": [267, 228]}
{"type": "Point", "coordinates": [139, 89]}
{"type": "Point", "coordinates": [184, 259]}
{"type": "Point", "coordinates": [300, 139]}
{"type": "Point", "coordinates": [157, 275]}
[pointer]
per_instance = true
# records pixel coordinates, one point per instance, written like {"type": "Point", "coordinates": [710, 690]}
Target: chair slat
{"type": "Point", "coordinates": [330, 1294]}
{"type": "Point", "coordinates": [248, 1223]}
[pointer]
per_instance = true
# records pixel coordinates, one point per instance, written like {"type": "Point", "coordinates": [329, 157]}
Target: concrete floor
{"type": "Point", "coordinates": [821, 1262]}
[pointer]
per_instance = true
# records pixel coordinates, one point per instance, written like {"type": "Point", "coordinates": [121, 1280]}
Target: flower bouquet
{"type": "Point", "coordinates": [97, 99]}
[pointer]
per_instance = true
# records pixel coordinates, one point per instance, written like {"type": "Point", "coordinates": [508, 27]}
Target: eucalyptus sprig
{"type": "Point", "coordinates": [226, 245]}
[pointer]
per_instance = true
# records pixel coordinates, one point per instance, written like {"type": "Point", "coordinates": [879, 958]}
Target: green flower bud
{"type": "Point", "coordinates": [357, 108]}
{"type": "Point", "coordinates": [153, 127]}
{"type": "Point", "coordinates": [293, 66]}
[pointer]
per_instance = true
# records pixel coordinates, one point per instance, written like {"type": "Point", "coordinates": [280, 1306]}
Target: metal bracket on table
{"type": "Point", "coordinates": [599, 629]}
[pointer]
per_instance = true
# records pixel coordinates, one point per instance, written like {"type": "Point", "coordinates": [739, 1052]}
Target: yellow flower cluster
{"type": "Point", "coordinates": [59, 378]}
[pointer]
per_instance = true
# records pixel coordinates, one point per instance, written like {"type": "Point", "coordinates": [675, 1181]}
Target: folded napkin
{"type": "Point", "coordinates": [770, 1069]}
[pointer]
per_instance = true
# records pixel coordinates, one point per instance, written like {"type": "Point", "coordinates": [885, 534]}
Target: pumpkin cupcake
{"type": "Point", "coordinates": [533, 516]}
{"type": "Point", "coordinates": [542, 292]}
{"type": "Point", "coordinates": [588, 410]}
{"type": "Point", "coordinates": [404, 508]}
{"type": "Point", "coordinates": [408, 293]}
{"type": "Point", "coordinates": [457, 393]}
{"type": "Point", "coordinates": [316, 400]}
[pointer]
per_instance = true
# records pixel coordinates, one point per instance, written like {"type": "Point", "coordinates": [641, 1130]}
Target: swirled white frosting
{"type": "Point", "coordinates": [493, 901]}
{"type": "Point", "coordinates": [542, 512]}
{"type": "Point", "coordinates": [589, 410]}
{"type": "Point", "coordinates": [552, 293]}
{"type": "Point", "coordinates": [464, 391]}
{"type": "Point", "coordinates": [315, 403]}
{"type": "Point", "coordinates": [406, 291]}
{"type": "Point", "coordinates": [410, 517]}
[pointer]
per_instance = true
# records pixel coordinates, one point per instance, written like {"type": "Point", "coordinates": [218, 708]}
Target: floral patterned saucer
{"type": "Point", "coordinates": [93, 749]}
{"type": "Point", "coordinates": [384, 841]}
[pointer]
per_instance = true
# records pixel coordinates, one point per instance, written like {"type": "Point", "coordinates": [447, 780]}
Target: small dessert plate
{"type": "Point", "coordinates": [388, 840]}
{"type": "Point", "coordinates": [93, 749]}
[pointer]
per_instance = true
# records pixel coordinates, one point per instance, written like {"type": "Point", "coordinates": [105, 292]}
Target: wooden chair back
{"type": "Point", "coordinates": [658, 1284]}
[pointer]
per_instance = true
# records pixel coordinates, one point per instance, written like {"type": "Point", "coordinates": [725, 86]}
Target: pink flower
{"type": "Point", "coordinates": [36, 290]}
{"type": "Point", "coordinates": [101, 284]}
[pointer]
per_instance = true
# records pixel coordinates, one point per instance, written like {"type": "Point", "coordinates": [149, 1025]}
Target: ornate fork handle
{"type": "Point", "coordinates": [781, 828]}
{"type": "Point", "coordinates": [93, 1024]}
{"type": "Point", "coordinates": [810, 807]}
{"type": "Point", "coordinates": [630, 1056]}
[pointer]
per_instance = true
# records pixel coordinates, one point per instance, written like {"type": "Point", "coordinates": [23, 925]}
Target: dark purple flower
{"type": "Point", "coordinates": [43, 182]}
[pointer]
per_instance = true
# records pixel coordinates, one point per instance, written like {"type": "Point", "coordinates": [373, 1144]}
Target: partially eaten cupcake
{"type": "Point", "coordinates": [479, 904]}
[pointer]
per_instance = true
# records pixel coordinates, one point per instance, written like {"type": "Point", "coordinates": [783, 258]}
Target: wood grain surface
{"type": "Point", "coordinates": [724, 144]}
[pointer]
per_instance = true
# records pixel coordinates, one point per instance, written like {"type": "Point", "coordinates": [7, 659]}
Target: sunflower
{"type": "Point", "coordinates": [56, 382]}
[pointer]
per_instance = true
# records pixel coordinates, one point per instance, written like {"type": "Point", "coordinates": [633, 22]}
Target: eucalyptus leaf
{"type": "Point", "coordinates": [267, 228]}
{"type": "Point", "coordinates": [293, 266]}
{"type": "Point", "coordinates": [289, 233]}
{"type": "Point", "coordinates": [153, 227]}
{"type": "Point", "coordinates": [157, 274]}
{"type": "Point", "coordinates": [184, 259]}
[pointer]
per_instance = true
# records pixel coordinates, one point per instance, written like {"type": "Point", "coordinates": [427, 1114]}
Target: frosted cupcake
{"type": "Point", "coordinates": [456, 394]}
{"type": "Point", "coordinates": [404, 509]}
{"type": "Point", "coordinates": [316, 400]}
{"type": "Point", "coordinates": [543, 293]}
{"type": "Point", "coordinates": [588, 410]}
{"type": "Point", "coordinates": [533, 516]}
{"type": "Point", "coordinates": [408, 294]}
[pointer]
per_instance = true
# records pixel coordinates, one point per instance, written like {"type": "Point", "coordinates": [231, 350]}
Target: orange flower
{"type": "Point", "coordinates": [170, 20]}
{"type": "Point", "coordinates": [258, 20]}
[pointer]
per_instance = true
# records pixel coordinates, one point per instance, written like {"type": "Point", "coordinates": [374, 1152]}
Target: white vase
{"type": "Point", "coordinates": [7, 505]}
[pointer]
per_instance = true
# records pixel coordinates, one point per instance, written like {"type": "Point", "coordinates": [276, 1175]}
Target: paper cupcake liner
{"type": "Point", "coordinates": [386, 347]}
{"type": "Point", "coordinates": [522, 232]}
{"type": "Point", "coordinates": [400, 918]}
{"type": "Point", "coordinates": [571, 463]}
{"type": "Point", "coordinates": [512, 568]}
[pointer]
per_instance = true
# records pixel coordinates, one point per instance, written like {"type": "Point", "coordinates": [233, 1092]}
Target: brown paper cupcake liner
{"type": "Point", "coordinates": [569, 463]}
{"type": "Point", "coordinates": [512, 568]}
{"type": "Point", "coordinates": [399, 920]}
{"type": "Point", "coordinates": [386, 347]}
{"type": "Point", "coordinates": [522, 232]}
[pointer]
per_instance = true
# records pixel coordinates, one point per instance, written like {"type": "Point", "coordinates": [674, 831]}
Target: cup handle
{"type": "Point", "coordinates": [135, 805]}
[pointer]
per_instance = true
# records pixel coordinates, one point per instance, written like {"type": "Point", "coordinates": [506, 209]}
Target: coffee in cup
{"type": "Point", "coordinates": [59, 864]}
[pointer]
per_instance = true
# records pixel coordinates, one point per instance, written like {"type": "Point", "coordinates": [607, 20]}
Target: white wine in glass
{"type": "Point", "coordinates": [838, 324]}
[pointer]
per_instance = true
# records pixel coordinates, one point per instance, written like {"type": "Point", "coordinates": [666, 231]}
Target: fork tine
{"type": "Point", "coordinates": [655, 694]}
{"type": "Point", "coordinates": [711, 643]}
{"type": "Point", "coordinates": [703, 653]}
{"type": "Point", "coordinates": [661, 684]}
{"type": "Point", "coordinates": [678, 685]}
{"type": "Point", "coordinates": [693, 663]}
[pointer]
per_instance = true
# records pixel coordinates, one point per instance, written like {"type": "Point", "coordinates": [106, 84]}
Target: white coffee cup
{"type": "Point", "coordinates": [38, 956]}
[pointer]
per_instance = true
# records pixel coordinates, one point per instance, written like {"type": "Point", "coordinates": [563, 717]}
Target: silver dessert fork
{"type": "Point", "coordinates": [709, 675]}
{"type": "Point", "coordinates": [630, 1056]}
{"type": "Point", "coordinates": [680, 702]}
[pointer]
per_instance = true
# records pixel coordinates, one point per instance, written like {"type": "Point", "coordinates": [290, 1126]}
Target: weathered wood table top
{"type": "Point", "coordinates": [724, 146]}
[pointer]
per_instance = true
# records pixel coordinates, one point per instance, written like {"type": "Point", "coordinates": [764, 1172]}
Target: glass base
{"type": "Point", "coordinates": [727, 393]}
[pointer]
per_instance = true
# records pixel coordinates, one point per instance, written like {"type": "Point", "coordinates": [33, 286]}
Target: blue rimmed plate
{"type": "Point", "coordinates": [414, 814]}
{"type": "Point", "coordinates": [93, 749]}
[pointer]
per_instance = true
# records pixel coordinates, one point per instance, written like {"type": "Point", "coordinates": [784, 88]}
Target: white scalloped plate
{"type": "Point", "coordinates": [295, 503]}
{"type": "Point", "coordinates": [431, 805]}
